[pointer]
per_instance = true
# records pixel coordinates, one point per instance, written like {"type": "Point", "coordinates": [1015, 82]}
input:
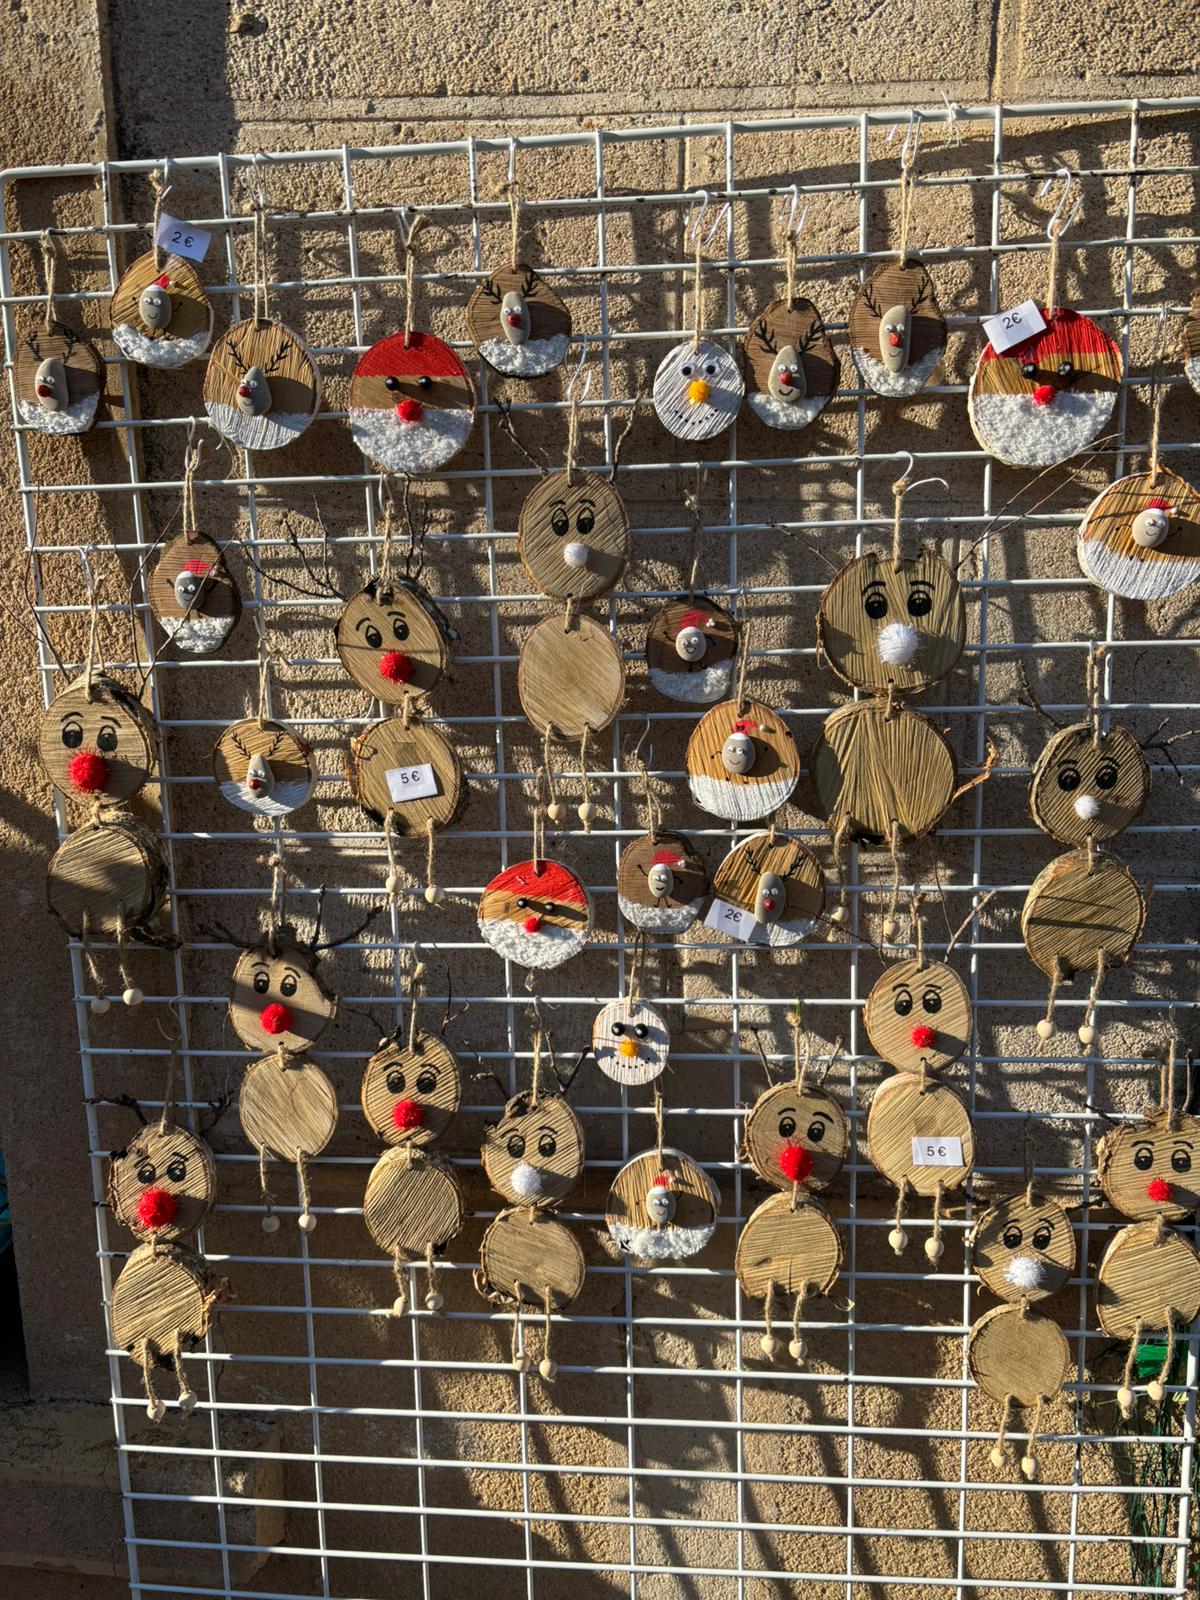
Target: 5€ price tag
{"type": "Point", "coordinates": [736, 923]}
{"type": "Point", "coordinates": [411, 783]}
{"type": "Point", "coordinates": [181, 239]}
{"type": "Point", "coordinates": [1008, 328]}
{"type": "Point", "coordinates": [935, 1152]}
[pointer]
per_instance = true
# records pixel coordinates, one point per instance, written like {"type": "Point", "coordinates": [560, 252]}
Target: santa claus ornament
{"type": "Point", "coordinates": [1140, 537]}
{"type": "Point", "coordinates": [412, 404]}
{"type": "Point", "coordinates": [192, 593]}
{"type": "Point", "coordinates": [769, 890]}
{"type": "Point", "coordinates": [536, 913]}
{"type": "Point", "coordinates": [691, 645]}
{"type": "Point", "coordinates": [259, 765]}
{"type": "Point", "coordinates": [698, 387]}
{"type": "Point", "coordinates": [661, 878]}
{"type": "Point", "coordinates": [662, 1206]}
{"type": "Point", "coordinates": [58, 376]}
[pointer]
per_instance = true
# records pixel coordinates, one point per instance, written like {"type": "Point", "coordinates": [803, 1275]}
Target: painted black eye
{"type": "Point", "coordinates": [522, 903]}
{"type": "Point", "coordinates": [288, 986]}
{"type": "Point", "coordinates": [262, 982]}
{"type": "Point", "coordinates": [618, 1028]}
{"type": "Point", "coordinates": [931, 1001]}
{"type": "Point", "coordinates": [920, 603]}
{"type": "Point", "coordinates": [1143, 1159]}
{"type": "Point", "coordinates": [426, 1081]}
{"type": "Point", "coordinates": [687, 369]}
{"type": "Point", "coordinates": [391, 383]}
{"type": "Point", "coordinates": [902, 1004]}
{"type": "Point", "coordinates": [641, 1030]}
{"type": "Point", "coordinates": [547, 1145]}
{"type": "Point", "coordinates": [72, 736]}
{"type": "Point", "coordinates": [1041, 1236]}
{"type": "Point", "coordinates": [177, 1169]}
{"type": "Point", "coordinates": [816, 1132]}
{"type": "Point", "coordinates": [399, 629]}
{"type": "Point", "coordinates": [787, 1127]}
{"type": "Point", "coordinates": [1181, 1161]}
{"type": "Point", "coordinates": [516, 1145]}
{"type": "Point", "coordinates": [395, 1081]}
{"type": "Point", "coordinates": [875, 604]}
{"type": "Point", "coordinates": [106, 740]}
{"type": "Point", "coordinates": [1065, 369]}
{"type": "Point", "coordinates": [1106, 775]}
{"type": "Point", "coordinates": [586, 520]}
{"type": "Point", "coordinates": [1068, 778]}
{"type": "Point", "coordinates": [373, 636]}
{"type": "Point", "coordinates": [1012, 1237]}
{"type": "Point", "coordinates": [560, 522]}
{"type": "Point", "coordinates": [711, 369]}
{"type": "Point", "coordinates": [146, 1172]}
{"type": "Point", "coordinates": [549, 908]}
{"type": "Point", "coordinates": [1029, 369]}
{"type": "Point", "coordinates": [424, 381]}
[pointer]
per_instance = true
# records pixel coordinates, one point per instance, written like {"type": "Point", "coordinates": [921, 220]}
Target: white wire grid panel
{"type": "Point", "coordinates": [371, 1456]}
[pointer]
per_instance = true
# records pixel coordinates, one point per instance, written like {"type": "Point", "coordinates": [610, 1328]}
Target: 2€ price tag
{"type": "Point", "coordinates": [1007, 328]}
{"type": "Point", "coordinates": [181, 239]}
{"type": "Point", "coordinates": [411, 783]}
{"type": "Point", "coordinates": [932, 1152]}
{"type": "Point", "coordinates": [736, 923]}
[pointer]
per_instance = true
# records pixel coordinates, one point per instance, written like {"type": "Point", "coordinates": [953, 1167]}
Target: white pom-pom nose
{"type": "Point", "coordinates": [1087, 807]}
{"type": "Point", "coordinates": [575, 554]}
{"type": "Point", "coordinates": [526, 1180]}
{"type": "Point", "coordinates": [898, 644]}
{"type": "Point", "coordinates": [1025, 1272]}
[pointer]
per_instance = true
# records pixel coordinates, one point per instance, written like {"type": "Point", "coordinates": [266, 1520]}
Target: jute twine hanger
{"type": "Point", "coordinates": [908, 160]}
{"type": "Point", "coordinates": [260, 253]}
{"type": "Point", "coordinates": [1060, 221]}
{"type": "Point", "coordinates": [577, 393]}
{"type": "Point", "coordinates": [699, 241]}
{"type": "Point", "coordinates": [409, 222]}
{"type": "Point", "coordinates": [790, 229]}
{"type": "Point", "coordinates": [900, 488]}
{"type": "Point", "coordinates": [1158, 393]}
{"type": "Point", "coordinates": [161, 188]}
{"type": "Point", "coordinates": [641, 766]}
{"type": "Point", "coordinates": [511, 191]}
{"type": "Point", "coordinates": [49, 249]}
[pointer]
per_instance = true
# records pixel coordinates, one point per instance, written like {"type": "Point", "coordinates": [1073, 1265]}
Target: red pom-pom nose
{"type": "Point", "coordinates": [409, 410]}
{"type": "Point", "coordinates": [88, 771]}
{"type": "Point", "coordinates": [795, 1162]}
{"type": "Point", "coordinates": [276, 1018]}
{"type": "Point", "coordinates": [895, 340]}
{"type": "Point", "coordinates": [924, 1037]}
{"type": "Point", "coordinates": [1158, 1190]}
{"type": "Point", "coordinates": [513, 318]}
{"type": "Point", "coordinates": [408, 1114]}
{"type": "Point", "coordinates": [532, 924]}
{"type": "Point", "coordinates": [157, 1208]}
{"type": "Point", "coordinates": [1043, 395]}
{"type": "Point", "coordinates": [786, 380]}
{"type": "Point", "coordinates": [396, 666]}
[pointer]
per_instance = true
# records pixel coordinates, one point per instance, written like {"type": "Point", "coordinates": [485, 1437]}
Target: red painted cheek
{"type": "Point", "coordinates": [276, 1018]}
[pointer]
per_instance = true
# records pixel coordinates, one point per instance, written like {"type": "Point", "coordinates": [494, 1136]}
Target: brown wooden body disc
{"type": "Point", "coordinates": [1142, 1155]}
{"type": "Point", "coordinates": [786, 1116]}
{"type": "Point", "coordinates": [172, 1161]}
{"type": "Point", "coordinates": [874, 770]}
{"type": "Point", "coordinates": [675, 911]}
{"type": "Point", "coordinates": [564, 517]}
{"type": "Point", "coordinates": [163, 1299]}
{"type": "Point", "coordinates": [277, 1000]}
{"type": "Point", "coordinates": [394, 642]}
{"type": "Point", "coordinates": [910, 999]}
{"type": "Point", "coordinates": [705, 674]}
{"type": "Point", "coordinates": [1018, 1357]}
{"type": "Point", "coordinates": [83, 370]}
{"type": "Point", "coordinates": [528, 1259]}
{"type": "Point", "coordinates": [261, 351]}
{"type": "Point", "coordinates": [909, 289]}
{"type": "Point", "coordinates": [390, 747]}
{"type": "Point", "coordinates": [543, 1136]}
{"type": "Point", "coordinates": [795, 1250]}
{"type": "Point", "coordinates": [97, 742]}
{"type": "Point", "coordinates": [1141, 1278]}
{"type": "Point", "coordinates": [1072, 913]}
{"type": "Point", "coordinates": [570, 679]}
{"type": "Point", "coordinates": [696, 1204]}
{"type": "Point", "coordinates": [413, 1200]}
{"type": "Point", "coordinates": [905, 1109]}
{"type": "Point", "coordinates": [196, 623]}
{"type": "Point", "coordinates": [187, 333]}
{"type": "Point", "coordinates": [1023, 1249]}
{"type": "Point", "coordinates": [545, 322]}
{"type": "Point", "coordinates": [396, 1080]}
{"type": "Point", "coordinates": [1088, 786]}
{"type": "Point", "coordinates": [107, 869]}
{"type": "Point", "coordinates": [288, 1109]}
{"type": "Point", "coordinates": [737, 879]}
{"type": "Point", "coordinates": [881, 626]}
{"type": "Point", "coordinates": [791, 368]}
{"type": "Point", "coordinates": [742, 796]}
{"type": "Point", "coordinates": [242, 752]}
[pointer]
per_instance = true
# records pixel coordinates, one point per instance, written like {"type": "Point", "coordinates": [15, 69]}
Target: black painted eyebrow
{"type": "Point", "coordinates": [72, 716]}
{"type": "Point", "coordinates": [824, 1115]}
{"type": "Point", "coordinates": [903, 985]}
{"type": "Point", "coordinates": [1181, 1144]}
{"type": "Point", "coordinates": [362, 622]}
{"type": "Point", "coordinates": [875, 583]}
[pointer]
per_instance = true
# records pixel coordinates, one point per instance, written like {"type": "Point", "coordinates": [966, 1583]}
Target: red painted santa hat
{"type": "Point", "coordinates": [695, 619]}
{"type": "Point", "coordinates": [422, 357]}
{"type": "Point", "coordinates": [1068, 334]}
{"type": "Point", "coordinates": [549, 880]}
{"type": "Point", "coordinates": [667, 858]}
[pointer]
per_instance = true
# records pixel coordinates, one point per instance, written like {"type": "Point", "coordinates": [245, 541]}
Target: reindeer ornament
{"type": "Point", "coordinates": [58, 375]}
{"type": "Point", "coordinates": [517, 323]}
{"type": "Point", "coordinates": [261, 386]}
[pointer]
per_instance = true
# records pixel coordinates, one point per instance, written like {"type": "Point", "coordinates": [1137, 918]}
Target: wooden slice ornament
{"type": "Point", "coordinates": [791, 1247]}
{"type": "Point", "coordinates": [775, 884]}
{"type": "Point", "coordinates": [1088, 784]}
{"type": "Point", "coordinates": [884, 626]}
{"type": "Point", "coordinates": [631, 1041]}
{"type": "Point", "coordinates": [1023, 1248]}
{"type": "Point", "coordinates": [263, 767]}
{"type": "Point", "coordinates": [518, 324]}
{"type": "Point", "coordinates": [163, 1304]}
{"type": "Point", "coordinates": [1078, 910]}
{"type": "Point", "coordinates": [573, 535]}
{"type": "Point", "coordinates": [410, 1092]}
{"type": "Point", "coordinates": [791, 368]}
{"type": "Point", "coordinates": [160, 314]}
{"type": "Point", "coordinates": [690, 649]}
{"type": "Point", "coordinates": [58, 378]}
{"type": "Point", "coordinates": [537, 913]}
{"type": "Point", "coordinates": [1151, 1168]}
{"type": "Point", "coordinates": [277, 1000]}
{"type": "Point", "coordinates": [193, 595]}
{"type": "Point", "coordinates": [111, 874]}
{"type": "Point", "coordinates": [389, 759]}
{"type": "Point", "coordinates": [742, 762]}
{"type": "Point", "coordinates": [289, 1111]}
{"type": "Point", "coordinates": [877, 771]}
{"type": "Point", "coordinates": [394, 641]}
{"type": "Point", "coordinates": [1019, 1357]}
{"type": "Point", "coordinates": [570, 677]}
{"type": "Point", "coordinates": [661, 883]}
{"type": "Point", "coordinates": [534, 1155]}
{"type": "Point", "coordinates": [919, 1136]}
{"type": "Point", "coordinates": [918, 1016]}
{"type": "Point", "coordinates": [1148, 1281]}
{"type": "Point", "coordinates": [697, 390]}
{"type": "Point", "coordinates": [1140, 537]}
{"type": "Point", "coordinates": [261, 386]}
{"type": "Point", "coordinates": [96, 741]}
{"type": "Point", "coordinates": [163, 1184]}
{"type": "Point", "coordinates": [795, 1134]}
{"type": "Point", "coordinates": [528, 1259]}
{"type": "Point", "coordinates": [414, 1204]}
{"type": "Point", "coordinates": [412, 404]}
{"type": "Point", "coordinates": [896, 329]}
{"type": "Point", "coordinates": [662, 1206]}
{"type": "Point", "coordinates": [1191, 343]}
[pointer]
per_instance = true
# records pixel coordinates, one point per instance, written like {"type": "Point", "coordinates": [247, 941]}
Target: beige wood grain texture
{"type": "Point", "coordinates": [1096, 368]}
{"type": "Point", "coordinates": [1111, 557]}
{"type": "Point", "coordinates": [79, 356]}
{"type": "Point", "coordinates": [1159, 1150]}
{"type": "Point", "coordinates": [526, 1257]}
{"type": "Point", "coordinates": [630, 1041]}
{"type": "Point", "coordinates": [548, 316]}
{"type": "Point", "coordinates": [172, 1159]}
{"type": "Point", "coordinates": [1022, 1357]}
{"type": "Point", "coordinates": [1039, 1229]}
{"type": "Point", "coordinates": [583, 509]}
{"type": "Point", "coordinates": [668, 671]}
{"type": "Point", "coordinates": [402, 619]}
{"type": "Point", "coordinates": [1191, 327]}
{"type": "Point", "coordinates": [1109, 768]}
{"type": "Point", "coordinates": [388, 745]}
{"type": "Point", "coordinates": [912, 994]}
{"type": "Point", "coordinates": [736, 879]}
{"type": "Point", "coordinates": [428, 1074]}
{"type": "Point", "coordinates": [108, 719]}
{"type": "Point", "coordinates": [697, 1201]}
{"type": "Point", "coordinates": [922, 593]}
{"type": "Point", "coordinates": [570, 678]}
{"type": "Point", "coordinates": [1074, 912]}
{"type": "Point", "coordinates": [163, 1297]}
{"type": "Point", "coordinates": [742, 797]}
{"type": "Point", "coordinates": [786, 1115]}
{"type": "Point", "coordinates": [799, 325]}
{"type": "Point", "coordinates": [893, 285]}
{"type": "Point", "coordinates": [875, 770]}
{"type": "Point", "coordinates": [221, 599]}
{"type": "Point", "coordinates": [287, 978]}
{"type": "Point", "coordinates": [544, 1133]}
{"type": "Point", "coordinates": [413, 1200]}
{"type": "Point", "coordinates": [289, 757]}
{"type": "Point", "coordinates": [793, 1248]}
{"type": "Point", "coordinates": [291, 375]}
{"type": "Point", "coordinates": [107, 869]}
{"type": "Point", "coordinates": [687, 867]}
{"type": "Point", "coordinates": [1142, 1278]}
{"type": "Point", "coordinates": [287, 1109]}
{"type": "Point", "coordinates": [191, 311]}
{"type": "Point", "coordinates": [905, 1109]}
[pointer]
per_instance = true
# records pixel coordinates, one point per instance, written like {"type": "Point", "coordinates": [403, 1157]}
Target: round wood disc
{"type": "Point", "coordinates": [580, 514]}
{"type": "Point", "coordinates": [1045, 399]}
{"type": "Point", "coordinates": [876, 770]}
{"type": "Point", "coordinates": [792, 1249]}
{"type": "Point", "coordinates": [570, 679]}
{"type": "Point", "coordinates": [1024, 1358]}
{"type": "Point", "coordinates": [278, 1001]}
{"type": "Point", "coordinates": [83, 370]}
{"type": "Point", "coordinates": [413, 1200]}
{"type": "Point", "coordinates": [284, 365]}
{"type": "Point", "coordinates": [791, 369]}
{"type": "Point", "coordinates": [786, 1116]}
{"type": "Point", "coordinates": [107, 726]}
{"type": "Point", "coordinates": [382, 760]}
{"type": "Point", "coordinates": [883, 626]}
{"type": "Point", "coordinates": [1086, 786]}
{"type": "Point", "coordinates": [198, 623]}
{"type": "Point", "coordinates": [410, 1096]}
{"type": "Point", "coordinates": [705, 679]}
{"type": "Point", "coordinates": [187, 333]}
{"type": "Point", "coordinates": [289, 777]}
{"type": "Point", "coordinates": [1072, 913]}
{"type": "Point", "coordinates": [162, 1298]}
{"type": "Point", "coordinates": [742, 797]}
{"type": "Point", "coordinates": [630, 1041]}
{"type": "Point", "coordinates": [1112, 558]}
{"type": "Point", "coordinates": [545, 322]}
{"type": "Point", "coordinates": [904, 1109]}
{"type": "Point", "coordinates": [537, 913]}
{"type": "Point", "coordinates": [737, 880]}
{"type": "Point", "coordinates": [288, 1109]}
{"type": "Point", "coordinates": [675, 911]}
{"type": "Point", "coordinates": [694, 1218]}
{"type": "Point", "coordinates": [1140, 1280]}
{"type": "Point", "coordinates": [412, 404]}
{"type": "Point", "coordinates": [107, 869]}
{"type": "Point", "coordinates": [526, 1258]}
{"type": "Point", "coordinates": [889, 288]}
{"type": "Point", "coordinates": [697, 391]}
{"type": "Point", "coordinates": [534, 1155]}
{"type": "Point", "coordinates": [1191, 343]}
{"type": "Point", "coordinates": [1141, 1157]}
{"type": "Point", "coordinates": [171, 1161]}
{"type": "Point", "coordinates": [393, 642]}
{"type": "Point", "coordinates": [909, 998]}
{"type": "Point", "coordinates": [1023, 1250]}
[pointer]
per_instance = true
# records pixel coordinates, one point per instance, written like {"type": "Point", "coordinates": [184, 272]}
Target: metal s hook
{"type": "Point", "coordinates": [912, 140]}
{"type": "Point", "coordinates": [572, 386]}
{"type": "Point", "coordinates": [89, 577]}
{"type": "Point", "coordinates": [906, 486]}
{"type": "Point", "coordinates": [512, 161]}
{"type": "Point", "coordinates": [641, 739]}
{"type": "Point", "coordinates": [792, 228]}
{"type": "Point", "coordinates": [691, 233]}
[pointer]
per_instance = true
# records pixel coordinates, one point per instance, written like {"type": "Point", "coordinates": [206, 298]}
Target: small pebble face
{"type": "Point", "coordinates": [738, 753]}
{"type": "Point", "coordinates": [278, 1000]}
{"type": "Point", "coordinates": [661, 883]}
{"type": "Point", "coordinates": [660, 880]}
{"type": "Point", "coordinates": [1152, 1169]}
{"type": "Point", "coordinates": [1087, 786]}
{"type": "Point", "coordinates": [391, 643]}
{"type": "Point", "coordinates": [263, 768]}
{"type": "Point", "coordinates": [630, 1041]}
{"type": "Point", "coordinates": [159, 313]}
{"type": "Point", "coordinates": [410, 1096]}
{"type": "Point", "coordinates": [770, 901]}
{"type": "Point", "coordinates": [697, 392]}
{"type": "Point", "coordinates": [919, 1017]}
{"type": "Point", "coordinates": [193, 595]}
{"type": "Point", "coordinates": [786, 378]}
{"type": "Point", "coordinates": [660, 1204]}
{"type": "Point", "coordinates": [96, 748]}
{"type": "Point", "coordinates": [154, 307]}
{"type": "Point", "coordinates": [162, 1186]}
{"type": "Point", "coordinates": [50, 386]}
{"type": "Point", "coordinates": [787, 1119]}
{"type": "Point", "coordinates": [1022, 1249]}
{"type": "Point", "coordinates": [883, 626]}
{"type": "Point", "coordinates": [895, 337]}
{"type": "Point", "coordinates": [253, 394]}
{"type": "Point", "coordinates": [1151, 527]}
{"type": "Point", "coordinates": [534, 1155]}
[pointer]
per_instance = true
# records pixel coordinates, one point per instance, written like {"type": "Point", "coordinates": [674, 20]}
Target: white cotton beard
{"type": "Point", "coordinates": [533, 359]}
{"type": "Point", "coordinates": [76, 418]}
{"type": "Point", "coordinates": [549, 947]}
{"type": "Point", "coordinates": [740, 802]}
{"type": "Point", "coordinates": [1016, 430]}
{"type": "Point", "coordinates": [271, 431]}
{"type": "Point", "coordinates": [197, 634]}
{"type": "Point", "coordinates": [704, 687]}
{"type": "Point", "coordinates": [168, 352]}
{"type": "Point", "coordinates": [410, 446]}
{"type": "Point", "coordinates": [911, 380]}
{"type": "Point", "coordinates": [786, 413]}
{"type": "Point", "coordinates": [660, 919]}
{"type": "Point", "coordinates": [661, 1244]}
{"type": "Point", "coordinates": [283, 798]}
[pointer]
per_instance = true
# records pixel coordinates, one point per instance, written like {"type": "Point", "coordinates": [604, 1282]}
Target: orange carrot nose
{"type": "Point", "coordinates": [409, 410]}
{"type": "Point", "coordinates": [1043, 395]}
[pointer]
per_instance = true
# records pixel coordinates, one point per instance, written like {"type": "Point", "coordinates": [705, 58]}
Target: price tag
{"type": "Point", "coordinates": [929, 1152]}
{"type": "Point", "coordinates": [736, 923]}
{"type": "Point", "coordinates": [1007, 328]}
{"type": "Point", "coordinates": [411, 783]}
{"type": "Point", "coordinates": [181, 239]}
